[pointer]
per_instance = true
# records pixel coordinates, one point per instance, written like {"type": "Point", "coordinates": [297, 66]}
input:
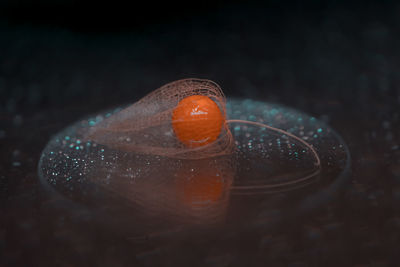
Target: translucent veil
{"type": "Point", "coordinates": [146, 126]}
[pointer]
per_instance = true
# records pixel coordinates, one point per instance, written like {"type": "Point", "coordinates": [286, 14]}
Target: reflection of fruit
{"type": "Point", "coordinates": [197, 120]}
{"type": "Point", "coordinates": [200, 188]}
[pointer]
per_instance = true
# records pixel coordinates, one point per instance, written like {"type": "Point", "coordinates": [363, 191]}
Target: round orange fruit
{"type": "Point", "coordinates": [197, 120]}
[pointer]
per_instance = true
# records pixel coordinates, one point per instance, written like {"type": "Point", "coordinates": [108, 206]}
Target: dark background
{"type": "Point", "coordinates": [337, 60]}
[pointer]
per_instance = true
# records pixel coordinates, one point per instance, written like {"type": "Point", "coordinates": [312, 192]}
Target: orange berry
{"type": "Point", "coordinates": [197, 120]}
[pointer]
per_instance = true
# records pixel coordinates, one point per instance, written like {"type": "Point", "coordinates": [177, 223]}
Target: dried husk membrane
{"type": "Point", "coordinates": [146, 126]}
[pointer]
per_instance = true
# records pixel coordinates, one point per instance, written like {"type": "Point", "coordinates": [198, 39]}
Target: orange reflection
{"type": "Point", "coordinates": [187, 191]}
{"type": "Point", "coordinates": [204, 184]}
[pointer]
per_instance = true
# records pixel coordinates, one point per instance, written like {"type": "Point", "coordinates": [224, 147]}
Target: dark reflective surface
{"type": "Point", "coordinates": [144, 193]}
{"type": "Point", "coordinates": [340, 65]}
